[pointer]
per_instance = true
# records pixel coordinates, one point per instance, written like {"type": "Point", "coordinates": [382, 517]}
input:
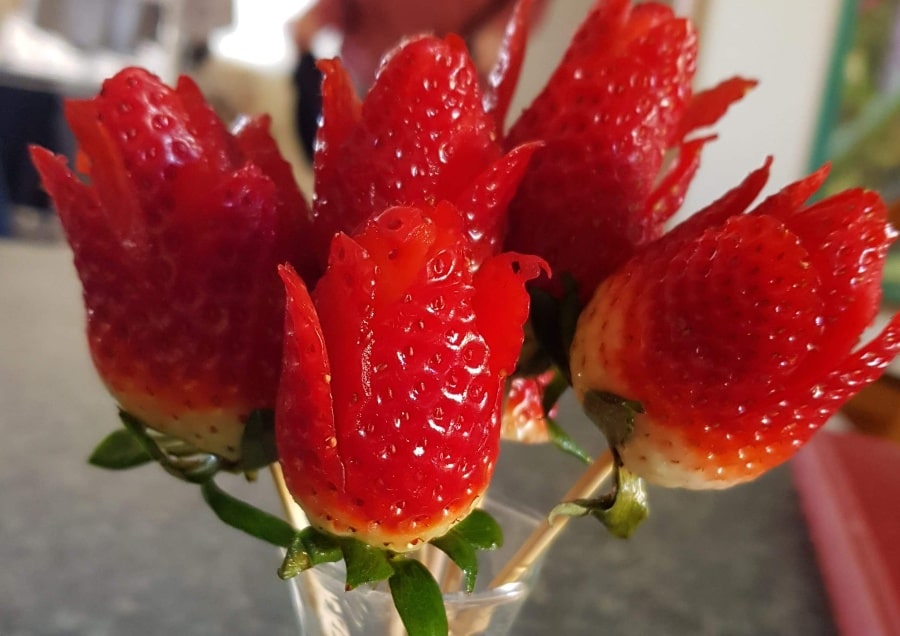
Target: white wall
{"type": "Point", "coordinates": [786, 45]}
{"type": "Point", "coordinates": [546, 46]}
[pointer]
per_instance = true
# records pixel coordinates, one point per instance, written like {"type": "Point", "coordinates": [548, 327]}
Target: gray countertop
{"type": "Point", "coordinates": [85, 551]}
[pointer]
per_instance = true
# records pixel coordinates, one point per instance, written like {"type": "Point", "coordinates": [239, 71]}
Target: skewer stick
{"type": "Point", "coordinates": [542, 538]}
{"type": "Point", "coordinates": [292, 511]}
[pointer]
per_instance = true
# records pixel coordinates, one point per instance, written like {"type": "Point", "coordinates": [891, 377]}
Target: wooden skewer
{"type": "Point", "coordinates": [542, 538]}
{"type": "Point", "coordinates": [294, 513]}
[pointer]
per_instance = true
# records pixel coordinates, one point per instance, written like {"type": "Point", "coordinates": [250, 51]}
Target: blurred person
{"type": "Point", "coordinates": [370, 28]}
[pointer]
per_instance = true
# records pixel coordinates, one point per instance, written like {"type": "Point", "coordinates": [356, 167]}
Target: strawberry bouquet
{"type": "Point", "coordinates": [451, 278]}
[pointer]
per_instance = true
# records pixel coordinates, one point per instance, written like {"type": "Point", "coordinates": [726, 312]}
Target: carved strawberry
{"type": "Point", "coordinates": [737, 332]}
{"type": "Point", "coordinates": [619, 101]}
{"type": "Point", "coordinates": [388, 418]}
{"type": "Point", "coordinates": [177, 235]}
{"type": "Point", "coordinates": [523, 418]}
{"type": "Point", "coordinates": [420, 136]}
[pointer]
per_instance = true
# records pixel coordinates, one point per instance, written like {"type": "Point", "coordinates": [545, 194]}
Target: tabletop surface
{"type": "Point", "coordinates": [88, 552]}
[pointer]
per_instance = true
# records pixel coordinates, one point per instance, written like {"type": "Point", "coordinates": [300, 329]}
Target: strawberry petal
{"type": "Point", "coordinates": [668, 196]}
{"type": "Point", "coordinates": [485, 202]}
{"type": "Point", "coordinates": [219, 149]}
{"type": "Point", "coordinates": [708, 106]}
{"type": "Point", "coordinates": [499, 283]}
{"type": "Point", "coordinates": [110, 179]}
{"type": "Point", "coordinates": [344, 299]}
{"type": "Point", "coordinates": [305, 396]}
{"type": "Point", "coordinates": [504, 76]}
{"type": "Point", "coordinates": [735, 201]}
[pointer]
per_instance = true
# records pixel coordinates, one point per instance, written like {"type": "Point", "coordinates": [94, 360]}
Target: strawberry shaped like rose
{"type": "Point", "coordinates": [619, 103]}
{"type": "Point", "coordinates": [388, 417]}
{"type": "Point", "coordinates": [420, 136]}
{"type": "Point", "coordinates": [735, 337]}
{"type": "Point", "coordinates": [177, 231]}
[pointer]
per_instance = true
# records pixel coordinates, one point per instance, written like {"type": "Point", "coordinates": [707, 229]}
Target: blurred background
{"type": "Point", "coordinates": [827, 71]}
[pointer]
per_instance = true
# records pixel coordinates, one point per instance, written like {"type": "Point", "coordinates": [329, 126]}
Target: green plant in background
{"type": "Point", "coordinates": [860, 124]}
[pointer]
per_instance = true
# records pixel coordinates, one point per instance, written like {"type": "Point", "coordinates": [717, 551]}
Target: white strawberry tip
{"type": "Point", "coordinates": [215, 430]}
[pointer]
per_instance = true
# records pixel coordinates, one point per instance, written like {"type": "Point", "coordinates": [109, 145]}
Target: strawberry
{"type": "Point", "coordinates": [523, 411]}
{"type": "Point", "coordinates": [737, 331]}
{"type": "Point", "coordinates": [176, 237]}
{"type": "Point", "coordinates": [420, 136]}
{"type": "Point", "coordinates": [388, 416]}
{"type": "Point", "coordinates": [618, 102]}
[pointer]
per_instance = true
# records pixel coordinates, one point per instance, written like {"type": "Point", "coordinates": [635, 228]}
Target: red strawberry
{"type": "Point", "coordinates": [388, 421]}
{"type": "Point", "coordinates": [176, 240]}
{"type": "Point", "coordinates": [421, 136]}
{"type": "Point", "coordinates": [618, 102]}
{"type": "Point", "coordinates": [523, 411]}
{"type": "Point", "coordinates": [736, 331]}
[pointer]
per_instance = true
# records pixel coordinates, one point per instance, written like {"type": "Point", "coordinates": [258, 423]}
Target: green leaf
{"type": "Point", "coordinates": [365, 564]}
{"type": "Point", "coordinates": [481, 530]}
{"type": "Point", "coordinates": [258, 441]}
{"type": "Point", "coordinates": [565, 443]}
{"type": "Point", "coordinates": [621, 512]}
{"type": "Point", "coordinates": [478, 531]}
{"type": "Point", "coordinates": [612, 414]}
{"type": "Point", "coordinates": [120, 450]}
{"type": "Point", "coordinates": [462, 553]}
{"type": "Point", "coordinates": [309, 548]}
{"type": "Point", "coordinates": [243, 516]}
{"type": "Point", "coordinates": [418, 599]}
{"type": "Point", "coordinates": [139, 431]}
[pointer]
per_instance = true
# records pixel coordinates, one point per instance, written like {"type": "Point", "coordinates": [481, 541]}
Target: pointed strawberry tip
{"type": "Point", "coordinates": [708, 106]}
{"type": "Point", "coordinates": [763, 172]}
{"type": "Point", "coordinates": [820, 175]}
{"type": "Point", "coordinates": [43, 160]}
{"type": "Point", "coordinates": [329, 65]}
{"type": "Point", "coordinates": [759, 177]}
{"type": "Point", "coordinates": [456, 43]}
{"type": "Point", "coordinates": [529, 266]}
{"type": "Point", "coordinates": [528, 148]}
{"type": "Point", "coordinates": [504, 76]}
{"type": "Point", "coordinates": [285, 270]}
{"type": "Point", "coordinates": [291, 280]}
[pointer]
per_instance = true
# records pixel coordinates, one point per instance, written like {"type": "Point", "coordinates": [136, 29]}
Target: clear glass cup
{"type": "Point", "coordinates": [323, 607]}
